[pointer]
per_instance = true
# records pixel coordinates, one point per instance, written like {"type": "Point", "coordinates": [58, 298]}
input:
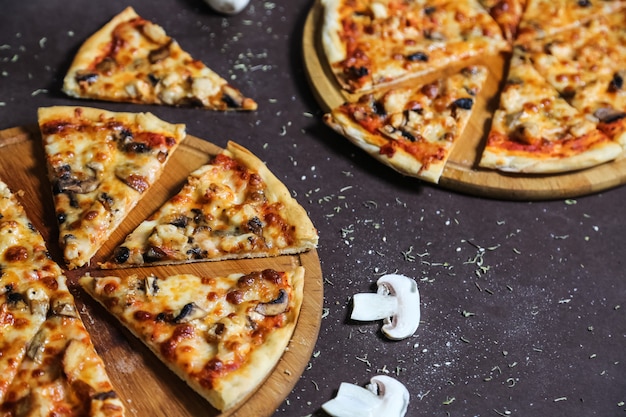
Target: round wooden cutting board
{"type": "Point", "coordinates": [461, 172]}
{"type": "Point", "coordinates": [146, 385]}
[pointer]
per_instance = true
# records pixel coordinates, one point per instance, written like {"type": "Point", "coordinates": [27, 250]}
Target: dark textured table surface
{"type": "Point", "coordinates": [523, 303]}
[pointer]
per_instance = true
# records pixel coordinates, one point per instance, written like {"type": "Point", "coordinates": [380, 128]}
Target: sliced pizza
{"type": "Point", "coordinates": [507, 13]}
{"type": "Point", "coordinates": [100, 164]}
{"type": "Point", "coordinates": [412, 129]}
{"type": "Point", "coordinates": [535, 130]}
{"type": "Point", "coordinates": [587, 66]}
{"type": "Point", "coordinates": [27, 272]}
{"type": "Point", "coordinates": [48, 365]}
{"type": "Point", "coordinates": [223, 335]}
{"type": "Point", "coordinates": [131, 59]}
{"type": "Point", "coordinates": [231, 208]}
{"type": "Point", "coordinates": [61, 372]}
{"type": "Point", "coordinates": [370, 43]}
{"type": "Point", "coordinates": [543, 18]}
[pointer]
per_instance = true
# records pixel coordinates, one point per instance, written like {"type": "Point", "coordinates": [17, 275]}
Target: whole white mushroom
{"type": "Point", "coordinates": [227, 6]}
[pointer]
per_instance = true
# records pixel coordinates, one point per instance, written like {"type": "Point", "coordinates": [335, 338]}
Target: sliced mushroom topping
{"type": "Point", "coordinates": [64, 306]}
{"type": "Point", "coordinates": [74, 185]}
{"type": "Point", "coordinates": [38, 301]}
{"type": "Point", "coordinates": [152, 286]}
{"type": "Point", "coordinates": [128, 174]}
{"type": "Point", "coordinates": [189, 312]}
{"type": "Point", "coordinates": [37, 346]}
{"type": "Point", "coordinates": [275, 307]}
{"type": "Point", "coordinates": [608, 114]}
{"type": "Point", "coordinates": [255, 226]}
{"type": "Point", "coordinates": [106, 65]}
{"type": "Point", "coordinates": [160, 53]}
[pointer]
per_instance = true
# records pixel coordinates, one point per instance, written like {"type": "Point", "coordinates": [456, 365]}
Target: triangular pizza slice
{"type": "Point", "coordinates": [26, 271]}
{"type": "Point", "coordinates": [535, 130]}
{"type": "Point", "coordinates": [412, 129]}
{"type": "Point", "coordinates": [370, 43]}
{"type": "Point", "coordinates": [100, 164]}
{"type": "Point", "coordinates": [48, 362]}
{"type": "Point", "coordinates": [131, 59]}
{"type": "Point", "coordinates": [232, 207]}
{"type": "Point", "coordinates": [223, 335]}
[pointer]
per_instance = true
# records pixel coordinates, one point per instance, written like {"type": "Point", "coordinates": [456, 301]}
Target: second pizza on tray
{"type": "Point", "coordinates": [562, 106]}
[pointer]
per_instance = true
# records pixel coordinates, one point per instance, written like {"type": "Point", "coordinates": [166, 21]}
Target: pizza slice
{"type": "Point", "coordinates": [61, 373]}
{"type": "Point", "coordinates": [543, 18]}
{"type": "Point", "coordinates": [233, 207]}
{"type": "Point", "coordinates": [100, 164]}
{"type": "Point", "coordinates": [370, 43]}
{"type": "Point", "coordinates": [223, 335]}
{"type": "Point", "coordinates": [131, 59]}
{"type": "Point", "coordinates": [27, 271]}
{"type": "Point", "coordinates": [48, 364]}
{"type": "Point", "coordinates": [587, 66]}
{"type": "Point", "coordinates": [507, 13]}
{"type": "Point", "coordinates": [535, 130]}
{"type": "Point", "coordinates": [412, 129]}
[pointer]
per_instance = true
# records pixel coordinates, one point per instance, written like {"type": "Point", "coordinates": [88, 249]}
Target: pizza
{"type": "Point", "coordinates": [587, 68]}
{"type": "Point", "coordinates": [561, 107]}
{"type": "Point", "coordinates": [370, 44]}
{"type": "Point", "coordinates": [222, 335]}
{"type": "Point", "coordinates": [547, 17]}
{"type": "Point", "coordinates": [131, 59]}
{"type": "Point", "coordinates": [414, 128]}
{"type": "Point", "coordinates": [233, 207]}
{"type": "Point", "coordinates": [100, 164]}
{"type": "Point", "coordinates": [535, 130]}
{"type": "Point", "coordinates": [48, 364]}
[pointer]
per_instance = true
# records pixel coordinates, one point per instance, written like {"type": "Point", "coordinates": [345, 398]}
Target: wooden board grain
{"type": "Point", "coordinates": [147, 386]}
{"type": "Point", "coordinates": [461, 172]}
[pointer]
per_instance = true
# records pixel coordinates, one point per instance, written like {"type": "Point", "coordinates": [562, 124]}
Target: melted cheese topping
{"type": "Point", "coordinates": [372, 43]}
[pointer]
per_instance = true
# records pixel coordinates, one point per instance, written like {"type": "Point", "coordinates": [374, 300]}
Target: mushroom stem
{"type": "Point", "coordinates": [373, 306]}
